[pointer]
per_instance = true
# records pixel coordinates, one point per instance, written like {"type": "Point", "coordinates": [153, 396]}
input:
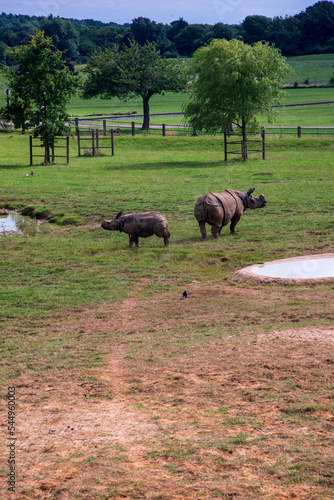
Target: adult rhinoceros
{"type": "Point", "coordinates": [143, 225]}
{"type": "Point", "coordinates": [218, 209]}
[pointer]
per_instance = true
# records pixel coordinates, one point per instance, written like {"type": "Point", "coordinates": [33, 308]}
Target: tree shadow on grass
{"type": "Point", "coordinates": [18, 167]}
{"type": "Point", "coordinates": [167, 165]}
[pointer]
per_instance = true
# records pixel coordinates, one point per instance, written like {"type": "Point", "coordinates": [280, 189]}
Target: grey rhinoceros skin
{"type": "Point", "coordinates": [139, 225]}
{"type": "Point", "coordinates": [218, 209]}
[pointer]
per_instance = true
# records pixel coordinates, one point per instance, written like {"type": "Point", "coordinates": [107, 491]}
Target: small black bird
{"type": "Point", "coordinates": [185, 294]}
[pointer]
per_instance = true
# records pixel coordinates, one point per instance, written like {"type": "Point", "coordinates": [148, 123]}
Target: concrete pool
{"type": "Point", "coordinates": [307, 267]}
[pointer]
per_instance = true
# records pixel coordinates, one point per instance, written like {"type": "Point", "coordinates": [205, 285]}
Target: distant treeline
{"type": "Point", "coordinates": [310, 32]}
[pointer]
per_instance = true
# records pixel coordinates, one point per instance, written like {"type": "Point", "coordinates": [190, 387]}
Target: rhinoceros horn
{"type": "Point", "coordinates": [250, 191]}
{"type": "Point", "coordinates": [119, 214]}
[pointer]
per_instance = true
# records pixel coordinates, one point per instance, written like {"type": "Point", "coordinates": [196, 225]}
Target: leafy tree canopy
{"type": "Point", "coordinates": [234, 83]}
{"type": "Point", "coordinates": [132, 71]}
{"type": "Point", "coordinates": [41, 86]}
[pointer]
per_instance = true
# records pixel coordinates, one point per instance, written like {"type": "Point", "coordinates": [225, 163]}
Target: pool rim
{"type": "Point", "coordinates": [247, 273]}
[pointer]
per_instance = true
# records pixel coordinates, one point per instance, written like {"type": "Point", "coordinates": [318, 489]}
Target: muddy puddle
{"type": "Point", "coordinates": [14, 223]}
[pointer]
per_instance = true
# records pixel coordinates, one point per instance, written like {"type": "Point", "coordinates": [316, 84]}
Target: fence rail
{"type": "Point", "coordinates": [300, 131]}
{"type": "Point", "coordinates": [122, 126]}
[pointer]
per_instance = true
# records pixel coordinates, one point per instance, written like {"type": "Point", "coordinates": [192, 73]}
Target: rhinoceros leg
{"type": "Point", "coordinates": [234, 221]}
{"type": "Point", "coordinates": [215, 230]}
{"type": "Point", "coordinates": [166, 238]}
{"type": "Point", "coordinates": [133, 239]}
{"type": "Point", "coordinates": [202, 229]}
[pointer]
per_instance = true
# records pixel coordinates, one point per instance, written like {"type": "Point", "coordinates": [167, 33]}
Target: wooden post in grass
{"type": "Point", "coordinates": [97, 141]}
{"type": "Point", "coordinates": [104, 127]}
{"type": "Point", "coordinates": [93, 143]}
{"type": "Point", "coordinates": [163, 130]}
{"type": "Point", "coordinates": [46, 153]}
{"type": "Point", "coordinates": [67, 149]}
{"type": "Point", "coordinates": [133, 128]}
{"type": "Point", "coordinates": [225, 145]}
{"type": "Point", "coordinates": [79, 152]}
{"type": "Point", "coordinates": [30, 143]}
{"type": "Point", "coordinates": [263, 135]}
{"type": "Point", "coordinates": [299, 131]}
{"type": "Point", "coordinates": [244, 145]}
{"type": "Point", "coordinates": [112, 142]}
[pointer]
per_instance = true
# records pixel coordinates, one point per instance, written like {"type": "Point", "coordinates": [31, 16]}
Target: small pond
{"type": "Point", "coordinates": [296, 268]}
{"type": "Point", "coordinates": [8, 223]}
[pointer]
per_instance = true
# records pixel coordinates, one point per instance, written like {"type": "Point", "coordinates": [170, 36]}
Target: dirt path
{"type": "Point", "coordinates": [181, 408]}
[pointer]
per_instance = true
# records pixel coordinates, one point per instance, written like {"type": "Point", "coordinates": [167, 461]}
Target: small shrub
{"type": "Point", "coordinates": [306, 81]}
{"type": "Point", "coordinates": [12, 206]}
{"type": "Point", "coordinates": [56, 218]}
{"type": "Point", "coordinates": [295, 84]}
{"type": "Point", "coordinates": [28, 210]}
{"type": "Point", "coordinates": [331, 81]}
{"type": "Point", "coordinates": [27, 226]}
{"type": "Point", "coordinates": [42, 212]}
{"type": "Point", "coordinates": [71, 220]}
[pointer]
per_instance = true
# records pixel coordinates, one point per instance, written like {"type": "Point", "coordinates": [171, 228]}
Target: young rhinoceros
{"type": "Point", "coordinates": [218, 209]}
{"type": "Point", "coordinates": [143, 225]}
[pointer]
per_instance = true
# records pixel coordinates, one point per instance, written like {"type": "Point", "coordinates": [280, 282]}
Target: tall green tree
{"type": "Point", "coordinates": [41, 86]}
{"type": "Point", "coordinates": [132, 71]}
{"type": "Point", "coordinates": [232, 83]}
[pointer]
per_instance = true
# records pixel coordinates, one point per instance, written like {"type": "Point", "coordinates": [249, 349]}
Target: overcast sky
{"type": "Point", "coordinates": [124, 11]}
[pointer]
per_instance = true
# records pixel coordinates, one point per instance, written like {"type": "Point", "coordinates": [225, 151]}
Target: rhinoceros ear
{"type": "Point", "coordinates": [250, 191]}
{"type": "Point", "coordinates": [119, 214]}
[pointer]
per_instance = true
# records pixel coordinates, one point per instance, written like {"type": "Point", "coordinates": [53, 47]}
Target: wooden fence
{"type": "Point", "coordinates": [127, 126]}
{"type": "Point", "coordinates": [49, 153]}
{"type": "Point", "coordinates": [91, 142]}
{"type": "Point", "coordinates": [300, 131]}
{"type": "Point", "coordinates": [242, 146]}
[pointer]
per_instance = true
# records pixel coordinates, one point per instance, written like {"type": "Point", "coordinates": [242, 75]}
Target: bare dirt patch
{"type": "Point", "coordinates": [195, 398]}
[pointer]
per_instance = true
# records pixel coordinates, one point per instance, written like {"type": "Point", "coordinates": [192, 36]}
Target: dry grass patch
{"type": "Point", "coordinates": [194, 398]}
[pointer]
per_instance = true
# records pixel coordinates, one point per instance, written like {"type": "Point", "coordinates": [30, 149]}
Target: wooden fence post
{"type": "Point", "coordinates": [163, 130]}
{"type": "Point", "coordinates": [46, 153]}
{"type": "Point", "coordinates": [299, 131]}
{"type": "Point", "coordinates": [112, 142]}
{"type": "Point", "coordinates": [133, 128]}
{"type": "Point", "coordinates": [93, 143]}
{"type": "Point", "coordinates": [104, 127]}
{"type": "Point", "coordinates": [244, 146]}
{"type": "Point", "coordinates": [76, 121]}
{"type": "Point", "coordinates": [30, 142]}
{"type": "Point", "coordinates": [97, 141]}
{"type": "Point", "coordinates": [225, 145]}
{"type": "Point", "coordinates": [263, 135]}
{"type": "Point", "coordinates": [67, 149]}
{"type": "Point", "coordinates": [79, 151]}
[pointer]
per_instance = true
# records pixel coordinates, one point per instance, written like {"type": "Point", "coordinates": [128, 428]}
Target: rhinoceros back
{"type": "Point", "coordinates": [145, 224]}
{"type": "Point", "coordinates": [218, 208]}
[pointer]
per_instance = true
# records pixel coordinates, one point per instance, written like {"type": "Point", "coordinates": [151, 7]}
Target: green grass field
{"type": "Point", "coordinates": [317, 68]}
{"type": "Point", "coordinates": [165, 174]}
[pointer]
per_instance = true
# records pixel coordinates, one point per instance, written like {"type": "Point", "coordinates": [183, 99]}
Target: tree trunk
{"type": "Point", "coordinates": [146, 112]}
{"type": "Point", "coordinates": [244, 141]}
